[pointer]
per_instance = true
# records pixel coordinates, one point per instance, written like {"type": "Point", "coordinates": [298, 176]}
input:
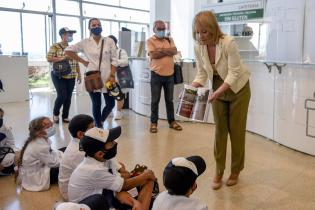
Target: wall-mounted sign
{"type": "Point", "coordinates": [238, 11]}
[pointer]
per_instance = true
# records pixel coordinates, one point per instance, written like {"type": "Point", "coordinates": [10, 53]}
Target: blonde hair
{"type": "Point", "coordinates": [207, 20]}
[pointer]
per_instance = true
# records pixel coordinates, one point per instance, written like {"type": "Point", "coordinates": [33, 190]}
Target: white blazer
{"type": "Point", "coordinates": [228, 64]}
{"type": "Point", "coordinates": [37, 160]}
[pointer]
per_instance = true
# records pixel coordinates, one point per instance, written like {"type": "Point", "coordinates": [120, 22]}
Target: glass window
{"type": "Point", "coordinates": [91, 10]}
{"type": "Point", "coordinates": [10, 40]}
{"type": "Point", "coordinates": [42, 5]}
{"type": "Point", "coordinates": [108, 2]}
{"type": "Point", "coordinates": [132, 15]}
{"type": "Point", "coordinates": [115, 29]}
{"type": "Point", "coordinates": [106, 28]}
{"type": "Point", "coordinates": [136, 4]}
{"type": "Point", "coordinates": [72, 23]}
{"type": "Point", "coordinates": [115, 13]}
{"type": "Point", "coordinates": [34, 40]}
{"type": "Point", "coordinates": [67, 7]}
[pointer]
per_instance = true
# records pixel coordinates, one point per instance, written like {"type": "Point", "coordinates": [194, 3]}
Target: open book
{"type": "Point", "coordinates": [194, 103]}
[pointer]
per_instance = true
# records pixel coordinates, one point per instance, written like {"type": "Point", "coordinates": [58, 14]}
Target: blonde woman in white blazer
{"type": "Point", "coordinates": [218, 60]}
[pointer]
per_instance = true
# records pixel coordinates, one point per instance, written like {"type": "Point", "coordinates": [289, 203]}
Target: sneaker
{"type": "Point", "coordinates": [118, 115]}
{"type": "Point", "coordinates": [66, 120]}
{"type": "Point", "coordinates": [56, 119]}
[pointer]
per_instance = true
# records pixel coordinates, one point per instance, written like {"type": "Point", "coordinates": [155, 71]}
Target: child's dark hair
{"type": "Point", "coordinates": [113, 38]}
{"type": "Point", "coordinates": [180, 185]}
{"type": "Point", "coordinates": [80, 122]}
{"type": "Point", "coordinates": [1, 111]}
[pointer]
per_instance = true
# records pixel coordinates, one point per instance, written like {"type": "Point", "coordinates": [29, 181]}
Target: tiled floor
{"type": "Point", "coordinates": [274, 177]}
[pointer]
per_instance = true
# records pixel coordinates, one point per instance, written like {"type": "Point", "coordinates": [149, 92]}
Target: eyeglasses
{"type": "Point", "coordinates": [160, 29]}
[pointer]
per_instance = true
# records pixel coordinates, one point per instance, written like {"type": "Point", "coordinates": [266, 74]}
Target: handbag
{"type": "Point", "coordinates": [178, 74]}
{"type": "Point", "coordinates": [92, 79]}
{"type": "Point", "coordinates": [124, 76]}
{"type": "Point", "coordinates": [61, 68]}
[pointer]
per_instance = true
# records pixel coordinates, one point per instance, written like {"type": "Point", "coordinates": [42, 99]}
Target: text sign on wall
{"type": "Point", "coordinates": [238, 11]}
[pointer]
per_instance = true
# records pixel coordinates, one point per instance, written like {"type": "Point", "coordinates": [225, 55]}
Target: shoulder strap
{"type": "Point", "coordinates": [119, 53]}
{"type": "Point", "coordinates": [61, 47]}
{"type": "Point", "coordinates": [101, 55]}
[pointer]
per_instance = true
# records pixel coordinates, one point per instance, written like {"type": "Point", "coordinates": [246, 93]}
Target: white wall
{"type": "Point", "coordinates": [180, 14]}
{"type": "Point", "coordinates": [159, 10]}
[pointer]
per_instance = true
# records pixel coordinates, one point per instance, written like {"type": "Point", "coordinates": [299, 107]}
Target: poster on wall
{"type": "Point", "coordinates": [285, 19]}
{"type": "Point", "coordinates": [238, 11]}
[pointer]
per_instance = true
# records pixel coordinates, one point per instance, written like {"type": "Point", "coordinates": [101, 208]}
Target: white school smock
{"type": "Point", "coordinates": [72, 157]}
{"type": "Point", "coordinates": [8, 160]}
{"type": "Point", "coordinates": [165, 201]}
{"type": "Point", "coordinates": [91, 51]}
{"type": "Point", "coordinates": [122, 60]}
{"type": "Point", "coordinates": [91, 177]}
{"type": "Point", "coordinates": [37, 160]}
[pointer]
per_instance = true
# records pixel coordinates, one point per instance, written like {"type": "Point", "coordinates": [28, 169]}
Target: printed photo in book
{"type": "Point", "coordinates": [194, 103]}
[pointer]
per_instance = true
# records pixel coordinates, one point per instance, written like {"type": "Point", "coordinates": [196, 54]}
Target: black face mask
{"type": "Point", "coordinates": [1, 122]}
{"type": "Point", "coordinates": [2, 136]}
{"type": "Point", "coordinates": [110, 153]}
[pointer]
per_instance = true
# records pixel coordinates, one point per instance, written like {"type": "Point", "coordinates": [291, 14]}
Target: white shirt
{"type": "Point", "coordinates": [91, 177]}
{"type": "Point", "coordinates": [37, 160]}
{"type": "Point", "coordinates": [9, 140]}
{"type": "Point", "coordinates": [91, 50]}
{"type": "Point", "coordinates": [72, 157]}
{"type": "Point", "coordinates": [122, 58]}
{"type": "Point", "coordinates": [165, 201]}
{"type": "Point", "coordinates": [8, 159]}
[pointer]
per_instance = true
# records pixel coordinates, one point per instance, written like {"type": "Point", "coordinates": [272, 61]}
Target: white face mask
{"type": "Point", "coordinates": [50, 131]}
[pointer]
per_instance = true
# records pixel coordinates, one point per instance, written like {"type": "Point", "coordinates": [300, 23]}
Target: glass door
{"type": "Point", "coordinates": [37, 37]}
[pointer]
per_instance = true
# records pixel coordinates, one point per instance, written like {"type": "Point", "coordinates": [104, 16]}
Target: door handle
{"type": "Point", "coordinates": [269, 66]}
{"type": "Point", "coordinates": [280, 66]}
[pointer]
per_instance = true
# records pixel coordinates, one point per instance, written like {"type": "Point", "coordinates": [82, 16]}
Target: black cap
{"type": "Point", "coordinates": [65, 30]}
{"type": "Point", "coordinates": [181, 173]}
{"type": "Point", "coordinates": [94, 139]}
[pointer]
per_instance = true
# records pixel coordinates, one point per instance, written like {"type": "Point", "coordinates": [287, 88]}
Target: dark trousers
{"type": "Point", "coordinates": [96, 202]}
{"type": "Point", "coordinates": [64, 89]}
{"type": "Point", "coordinates": [100, 116]}
{"type": "Point", "coordinates": [157, 82]}
{"type": "Point", "coordinates": [104, 201]}
{"type": "Point", "coordinates": [54, 172]}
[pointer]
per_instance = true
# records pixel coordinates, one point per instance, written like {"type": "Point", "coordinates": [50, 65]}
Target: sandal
{"type": "Point", "coordinates": [153, 128]}
{"type": "Point", "coordinates": [175, 126]}
{"type": "Point", "coordinates": [138, 170]}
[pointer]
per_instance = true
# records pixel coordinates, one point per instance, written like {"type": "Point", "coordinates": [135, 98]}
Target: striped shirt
{"type": "Point", "coordinates": [57, 50]}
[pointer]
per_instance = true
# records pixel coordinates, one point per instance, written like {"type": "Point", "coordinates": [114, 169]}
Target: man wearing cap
{"type": "Point", "coordinates": [98, 177]}
{"type": "Point", "coordinates": [179, 179]}
{"type": "Point", "coordinates": [64, 85]}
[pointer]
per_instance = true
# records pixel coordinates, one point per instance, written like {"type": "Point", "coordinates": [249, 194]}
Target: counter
{"type": "Point", "coordinates": [282, 106]}
{"type": "Point", "coordinates": [14, 76]}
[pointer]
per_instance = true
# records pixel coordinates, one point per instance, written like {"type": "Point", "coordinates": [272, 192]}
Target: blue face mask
{"type": "Point", "coordinates": [50, 131]}
{"type": "Point", "coordinates": [96, 31]}
{"type": "Point", "coordinates": [70, 39]}
{"type": "Point", "coordinates": [160, 34]}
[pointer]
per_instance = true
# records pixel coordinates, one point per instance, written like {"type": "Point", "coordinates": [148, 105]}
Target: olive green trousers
{"type": "Point", "coordinates": [230, 115]}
